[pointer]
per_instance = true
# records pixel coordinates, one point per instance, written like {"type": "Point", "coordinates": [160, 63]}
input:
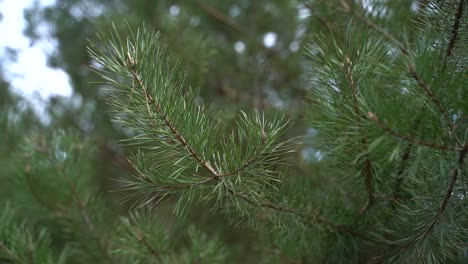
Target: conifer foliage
{"type": "Point", "coordinates": [386, 115]}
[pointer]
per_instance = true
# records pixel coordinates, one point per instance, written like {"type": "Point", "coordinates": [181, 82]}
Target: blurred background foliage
{"type": "Point", "coordinates": [242, 55]}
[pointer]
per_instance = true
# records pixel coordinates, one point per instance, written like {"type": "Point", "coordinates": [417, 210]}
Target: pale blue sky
{"type": "Point", "coordinates": [29, 74]}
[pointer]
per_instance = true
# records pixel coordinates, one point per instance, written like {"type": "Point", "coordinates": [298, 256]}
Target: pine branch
{"type": "Point", "coordinates": [455, 28]}
{"type": "Point", "coordinates": [406, 51]}
{"type": "Point", "coordinates": [327, 23]}
{"type": "Point", "coordinates": [433, 98]}
{"type": "Point", "coordinates": [401, 170]}
{"type": "Point", "coordinates": [142, 239]}
{"type": "Point", "coordinates": [409, 139]}
{"type": "Point", "coordinates": [55, 208]}
{"type": "Point", "coordinates": [87, 219]}
{"type": "Point", "coordinates": [448, 194]}
{"type": "Point", "coordinates": [449, 191]}
{"type": "Point", "coordinates": [198, 158]}
{"type": "Point", "coordinates": [315, 218]}
{"type": "Point", "coordinates": [348, 65]}
{"type": "Point", "coordinates": [11, 253]}
{"type": "Point", "coordinates": [128, 62]}
{"type": "Point", "coordinates": [132, 65]}
{"type": "Point", "coordinates": [216, 14]}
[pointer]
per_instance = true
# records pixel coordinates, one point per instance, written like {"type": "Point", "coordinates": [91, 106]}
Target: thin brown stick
{"type": "Point", "coordinates": [314, 217]}
{"type": "Point", "coordinates": [384, 32]}
{"type": "Point", "coordinates": [347, 9]}
{"type": "Point", "coordinates": [36, 196]}
{"type": "Point", "coordinates": [180, 138]}
{"type": "Point", "coordinates": [87, 219]}
{"type": "Point", "coordinates": [445, 201]}
{"type": "Point", "coordinates": [10, 253]}
{"type": "Point", "coordinates": [327, 23]}
{"type": "Point", "coordinates": [254, 157]}
{"type": "Point", "coordinates": [414, 141]}
{"type": "Point", "coordinates": [401, 170]}
{"type": "Point", "coordinates": [437, 103]}
{"type": "Point", "coordinates": [455, 28]}
{"type": "Point", "coordinates": [215, 13]}
{"type": "Point", "coordinates": [141, 237]}
{"type": "Point", "coordinates": [449, 192]}
{"type": "Point", "coordinates": [367, 170]}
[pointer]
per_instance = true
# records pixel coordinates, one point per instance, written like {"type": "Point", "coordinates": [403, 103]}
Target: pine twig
{"type": "Point", "coordinates": [215, 173]}
{"type": "Point", "coordinates": [215, 13]}
{"type": "Point", "coordinates": [411, 67]}
{"type": "Point", "coordinates": [179, 137]}
{"type": "Point", "coordinates": [437, 103]}
{"type": "Point", "coordinates": [202, 161]}
{"type": "Point", "coordinates": [348, 65]}
{"type": "Point", "coordinates": [87, 219]}
{"type": "Point", "coordinates": [10, 253]}
{"type": "Point", "coordinates": [401, 169]}
{"type": "Point", "coordinates": [448, 194]}
{"type": "Point", "coordinates": [141, 237]}
{"type": "Point", "coordinates": [409, 139]}
{"type": "Point", "coordinates": [328, 24]}
{"type": "Point", "coordinates": [314, 217]}
{"type": "Point", "coordinates": [455, 28]}
{"type": "Point", "coordinates": [55, 208]}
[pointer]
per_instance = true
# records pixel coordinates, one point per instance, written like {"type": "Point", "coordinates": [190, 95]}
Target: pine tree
{"type": "Point", "coordinates": [386, 119]}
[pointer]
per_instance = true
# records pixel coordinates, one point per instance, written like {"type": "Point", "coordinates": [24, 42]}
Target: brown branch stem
{"type": "Point", "coordinates": [367, 170]}
{"type": "Point", "coordinates": [179, 137]}
{"type": "Point", "coordinates": [406, 51]}
{"type": "Point", "coordinates": [142, 239]}
{"type": "Point", "coordinates": [87, 219]}
{"type": "Point", "coordinates": [215, 13]}
{"type": "Point", "coordinates": [313, 217]}
{"type": "Point", "coordinates": [11, 253]}
{"type": "Point", "coordinates": [409, 139]}
{"type": "Point", "coordinates": [448, 194]}
{"type": "Point", "coordinates": [437, 103]}
{"type": "Point", "coordinates": [455, 28]}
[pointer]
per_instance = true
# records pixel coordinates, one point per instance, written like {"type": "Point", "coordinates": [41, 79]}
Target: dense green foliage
{"type": "Point", "coordinates": [250, 131]}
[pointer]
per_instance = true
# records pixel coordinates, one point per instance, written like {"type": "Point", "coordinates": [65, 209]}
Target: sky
{"type": "Point", "coordinates": [28, 74]}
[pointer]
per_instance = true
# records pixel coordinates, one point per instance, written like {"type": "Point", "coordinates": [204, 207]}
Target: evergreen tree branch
{"type": "Point", "coordinates": [204, 163]}
{"type": "Point", "coordinates": [348, 64]}
{"type": "Point", "coordinates": [406, 51]}
{"type": "Point", "coordinates": [37, 196]}
{"type": "Point", "coordinates": [448, 194]}
{"type": "Point", "coordinates": [316, 218]}
{"type": "Point", "coordinates": [411, 68]}
{"type": "Point", "coordinates": [141, 237]}
{"type": "Point", "coordinates": [152, 98]}
{"type": "Point", "coordinates": [11, 253]}
{"type": "Point", "coordinates": [409, 139]}
{"type": "Point", "coordinates": [252, 159]}
{"type": "Point", "coordinates": [219, 16]}
{"type": "Point", "coordinates": [449, 191]}
{"type": "Point", "coordinates": [327, 23]}
{"type": "Point", "coordinates": [431, 95]}
{"type": "Point", "coordinates": [401, 170]}
{"type": "Point", "coordinates": [455, 28]}
{"type": "Point", "coordinates": [215, 13]}
{"type": "Point", "coordinates": [87, 219]}
{"type": "Point", "coordinates": [347, 9]}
